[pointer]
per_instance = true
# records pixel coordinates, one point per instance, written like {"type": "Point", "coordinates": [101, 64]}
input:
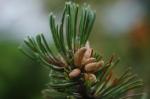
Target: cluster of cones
{"type": "Point", "coordinates": [85, 64]}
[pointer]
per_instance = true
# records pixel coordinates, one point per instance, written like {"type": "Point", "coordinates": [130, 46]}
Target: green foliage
{"type": "Point", "coordinates": [69, 36]}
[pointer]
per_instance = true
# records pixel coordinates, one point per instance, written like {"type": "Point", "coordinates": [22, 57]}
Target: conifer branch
{"type": "Point", "coordinates": [76, 71]}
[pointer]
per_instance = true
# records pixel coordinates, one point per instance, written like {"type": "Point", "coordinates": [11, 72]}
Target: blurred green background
{"type": "Point", "coordinates": [122, 27]}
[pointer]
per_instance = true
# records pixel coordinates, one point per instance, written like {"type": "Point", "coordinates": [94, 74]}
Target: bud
{"type": "Point", "coordinates": [93, 67]}
{"type": "Point", "coordinates": [79, 56]}
{"type": "Point", "coordinates": [87, 54]}
{"type": "Point", "coordinates": [90, 77]}
{"type": "Point", "coordinates": [74, 73]}
{"type": "Point", "coordinates": [89, 60]}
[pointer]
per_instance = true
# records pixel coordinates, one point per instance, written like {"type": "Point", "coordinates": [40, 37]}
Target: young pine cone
{"type": "Point", "coordinates": [84, 61]}
{"type": "Point", "coordinates": [90, 77]}
{"type": "Point", "coordinates": [79, 56]}
{"type": "Point", "coordinates": [74, 73]}
{"type": "Point", "coordinates": [93, 67]}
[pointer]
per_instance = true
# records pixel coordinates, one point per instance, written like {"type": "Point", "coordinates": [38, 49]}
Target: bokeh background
{"type": "Point", "coordinates": [122, 27]}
